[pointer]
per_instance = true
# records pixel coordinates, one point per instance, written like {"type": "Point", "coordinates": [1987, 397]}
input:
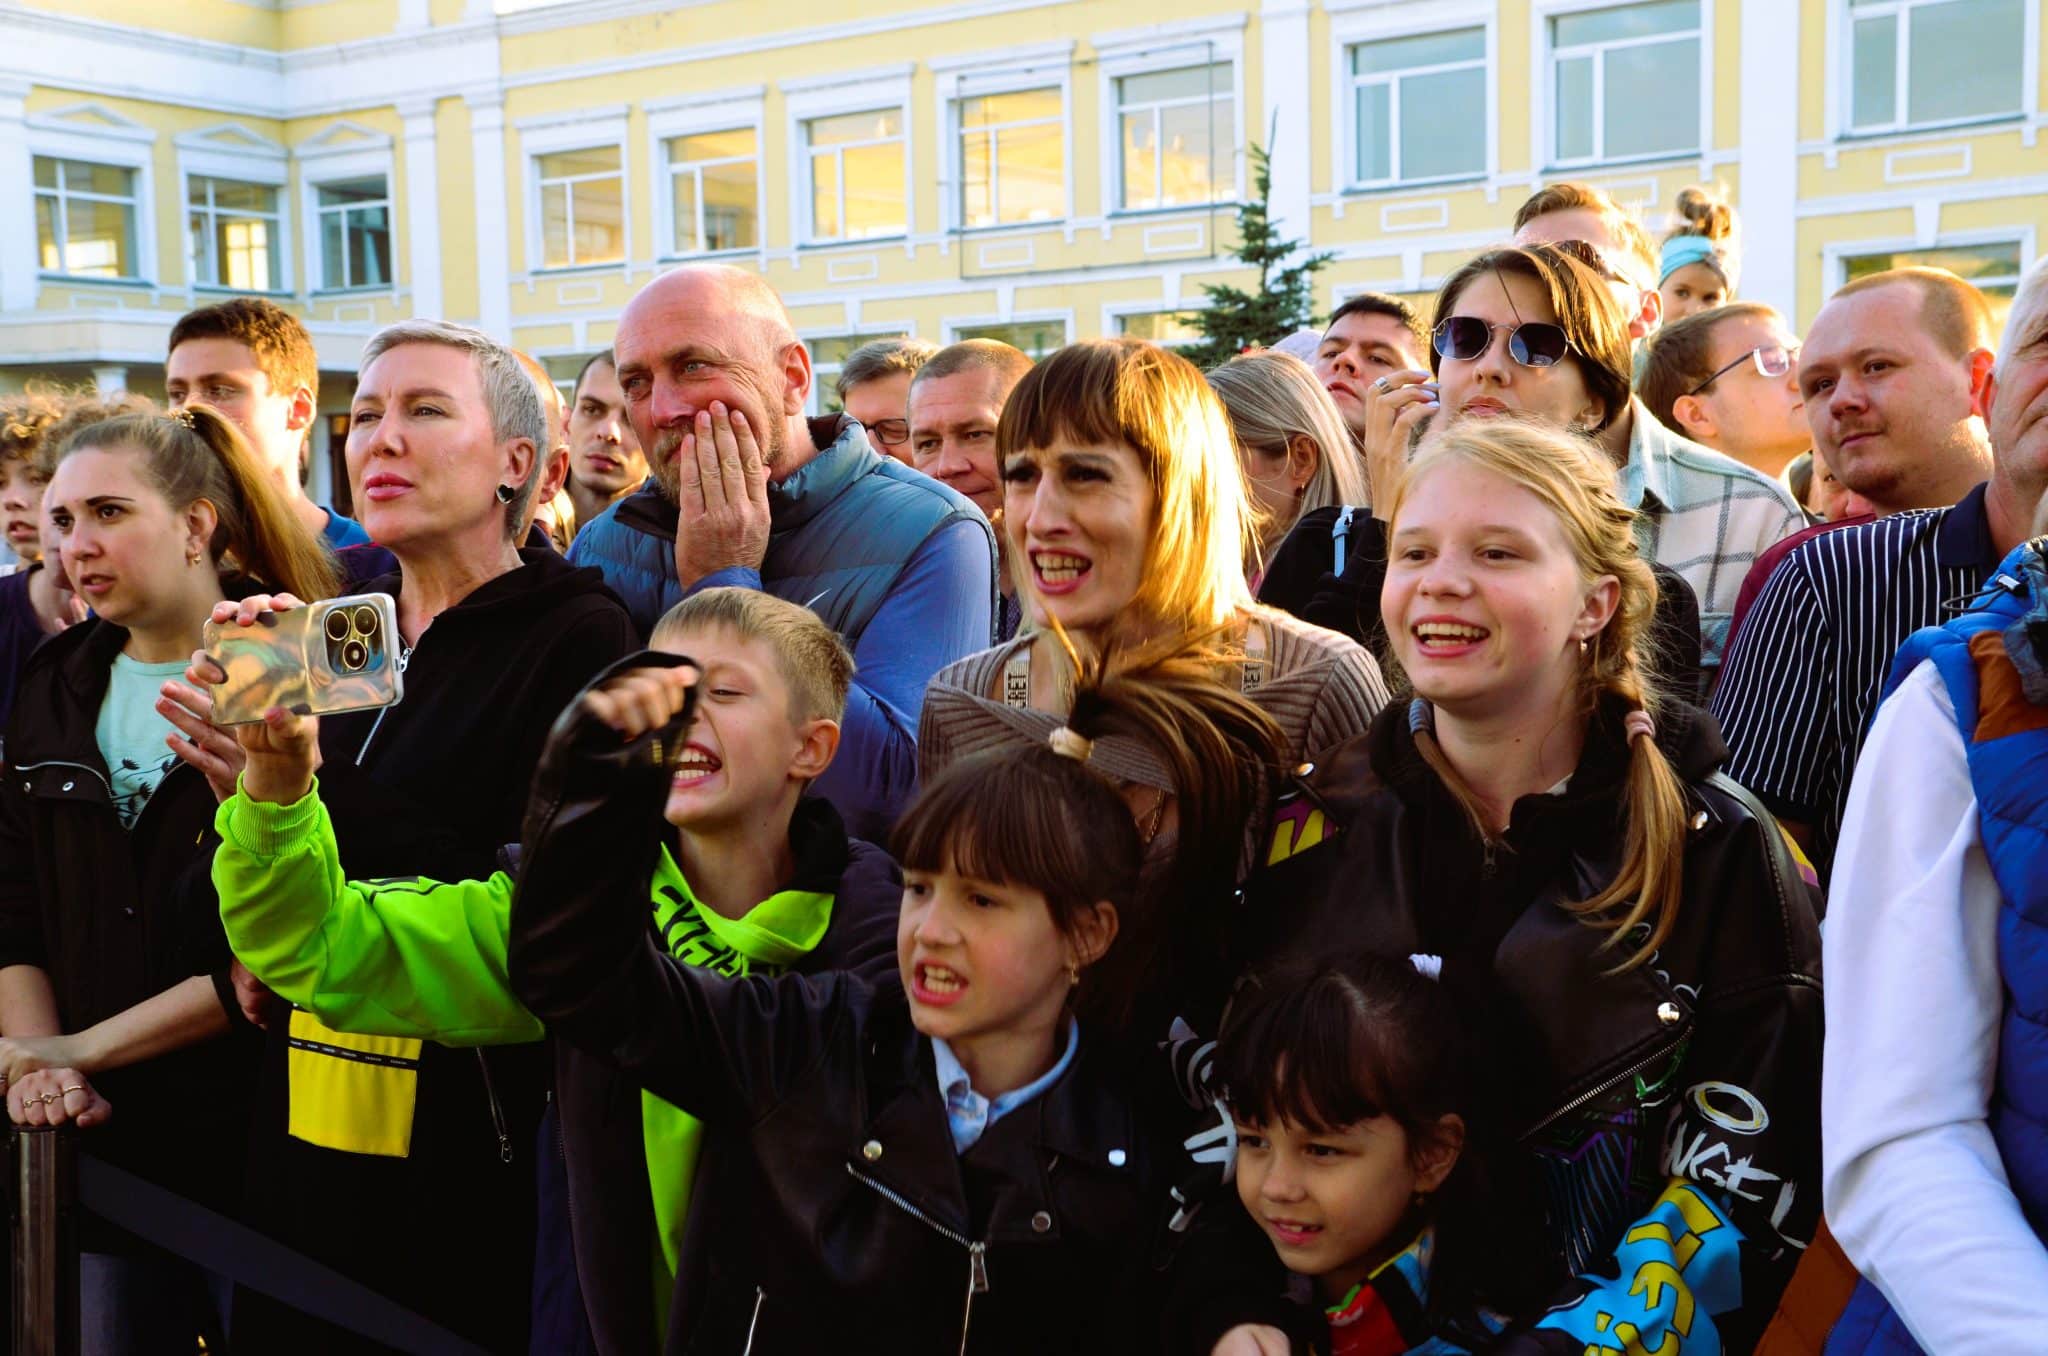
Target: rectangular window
{"type": "Point", "coordinates": [1013, 158]}
{"type": "Point", "coordinates": [856, 178]}
{"type": "Point", "coordinates": [1035, 337]}
{"type": "Point", "coordinates": [1992, 269]}
{"type": "Point", "coordinates": [828, 359]}
{"type": "Point", "coordinates": [1168, 329]}
{"type": "Point", "coordinates": [85, 219]}
{"type": "Point", "coordinates": [714, 186]}
{"type": "Point", "coordinates": [355, 234]}
{"type": "Point", "coordinates": [1418, 107]}
{"type": "Point", "coordinates": [1918, 63]}
{"type": "Point", "coordinates": [582, 207]}
{"type": "Point", "coordinates": [1626, 82]}
{"type": "Point", "coordinates": [236, 237]}
{"type": "Point", "coordinates": [1176, 130]}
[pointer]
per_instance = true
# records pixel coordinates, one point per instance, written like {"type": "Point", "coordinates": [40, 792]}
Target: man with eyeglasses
{"type": "Point", "coordinates": [1897, 375]}
{"type": "Point", "coordinates": [1727, 379]}
{"type": "Point", "coordinates": [874, 390]}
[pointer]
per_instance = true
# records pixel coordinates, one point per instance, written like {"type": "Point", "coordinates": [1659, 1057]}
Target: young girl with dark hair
{"type": "Point", "coordinates": [1627, 929]}
{"type": "Point", "coordinates": [961, 1164]}
{"type": "Point", "coordinates": [1353, 1091]}
{"type": "Point", "coordinates": [113, 999]}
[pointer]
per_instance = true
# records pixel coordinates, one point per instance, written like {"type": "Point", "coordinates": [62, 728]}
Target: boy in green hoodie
{"type": "Point", "coordinates": [751, 878]}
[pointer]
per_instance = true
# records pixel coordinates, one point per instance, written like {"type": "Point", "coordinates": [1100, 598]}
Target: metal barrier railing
{"type": "Point", "coordinates": [42, 1215]}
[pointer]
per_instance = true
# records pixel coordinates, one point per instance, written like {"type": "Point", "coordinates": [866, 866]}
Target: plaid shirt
{"type": "Point", "coordinates": [1705, 517]}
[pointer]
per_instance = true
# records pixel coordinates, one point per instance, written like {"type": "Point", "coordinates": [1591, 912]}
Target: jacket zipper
{"type": "Point", "coordinates": [1597, 1089]}
{"type": "Point", "coordinates": [754, 1323]}
{"type": "Point", "coordinates": [977, 1253]}
{"type": "Point", "coordinates": [404, 658]}
{"type": "Point", "coordinates": [101, 777]}
{"type": "Point", "coordinates": [497, 1112]}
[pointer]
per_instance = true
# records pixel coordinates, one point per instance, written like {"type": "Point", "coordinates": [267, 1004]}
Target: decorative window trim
{"type": "Point", "coordinates": [1349, 28]}
{"type": "Point", "coordinates": [1171, 47]}
{"type": "Point", "coordinates": [865, 91]}
{"type": "Point", "coordinates": [1542, 84]}
{"type": "Point", "coordinates": [1841, 68]}
{"type": "Point", "coordinates": [971, 75]}
{"type": "Point", "coordinates": [725, 111]}
{"type": "Point", "coordinates": [323, 161]}
{"type": "Point", "coordinates": [586, 130]}
{"type": "Point", "coordinates": [258, 161]}
{"type": "Point", "coordinates": [119, 142]}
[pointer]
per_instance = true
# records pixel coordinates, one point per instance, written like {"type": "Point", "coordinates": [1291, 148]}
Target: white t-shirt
{"type": "Point", "coordinates": [131, 733]}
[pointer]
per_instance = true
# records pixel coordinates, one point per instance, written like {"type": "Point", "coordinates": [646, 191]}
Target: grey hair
{"type": "Point", "coordinates": [2028, 316]}
{"type": "Point", "coordinates": [883, 358]}
{"type": "Point", "coordinates": [509, 394]}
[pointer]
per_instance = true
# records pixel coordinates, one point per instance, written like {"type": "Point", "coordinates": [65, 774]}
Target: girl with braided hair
{"type": "Point", "coordinates": [1629, 930]}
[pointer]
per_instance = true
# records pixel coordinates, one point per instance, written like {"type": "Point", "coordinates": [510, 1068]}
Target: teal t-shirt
{"type": "Point", "coordinates": [131, 733]}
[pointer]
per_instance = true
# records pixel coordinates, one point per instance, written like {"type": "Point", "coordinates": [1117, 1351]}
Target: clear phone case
{"type": "Point", "coordinates": [340, 655]}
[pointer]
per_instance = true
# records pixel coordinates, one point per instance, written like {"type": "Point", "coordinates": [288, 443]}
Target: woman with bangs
{"type": "Point", "coordinates": [1129, 525]}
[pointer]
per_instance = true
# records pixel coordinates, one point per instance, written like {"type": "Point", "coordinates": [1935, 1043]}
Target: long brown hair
{"type": "Point", "coordinates": [1575, 481]}
{"type": "Point", "coordinates": [199, 453]}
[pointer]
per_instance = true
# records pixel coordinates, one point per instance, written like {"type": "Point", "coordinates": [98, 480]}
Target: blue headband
{"type": "Point", "coordinates": [1681, 250]}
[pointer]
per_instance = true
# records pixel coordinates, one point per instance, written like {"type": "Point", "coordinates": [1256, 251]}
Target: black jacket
{"type": "Point", "coordinates": [840, 1216]}
{"type": "Point", "coordinates": [1609, 1084]}
{"type": "Point", "coordinates": [434, 787]}
{"type": "Point", "coordinates": [99, 907]}
{"type": "Point", "coordinates": [1302, 579]}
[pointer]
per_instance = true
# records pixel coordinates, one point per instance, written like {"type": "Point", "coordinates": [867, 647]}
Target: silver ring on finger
{"type": "Point", "coordinates": [1382, 386]}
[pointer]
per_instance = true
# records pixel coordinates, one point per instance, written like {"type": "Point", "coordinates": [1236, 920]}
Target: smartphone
{"type": "Point", "coordinates": [340, 655]}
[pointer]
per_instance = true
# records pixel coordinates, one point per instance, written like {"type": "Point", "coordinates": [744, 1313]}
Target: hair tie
{"type": "Point", "coordinates": [1681, 250]}
{"type": "Point", "coordinates": [1637, 723]}
{"type": "Point", "coordinates": [1069, 743]}
{"type": "Point", "coordinates": [1429, 967]}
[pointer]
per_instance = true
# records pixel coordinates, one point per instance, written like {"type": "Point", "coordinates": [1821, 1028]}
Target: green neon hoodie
{"type": "Point", "coordinates": [425, 959]}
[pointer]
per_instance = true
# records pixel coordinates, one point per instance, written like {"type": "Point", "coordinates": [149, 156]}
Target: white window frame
{"type": "Point", "coordinates": [814, 404]}
{"type": "Point", "coordinates": [1841, 41]}
{"type": "Point", "coordinates": [724, 111]}
{"type": "Point", "coordinates": [1348, 29]}
{"type": "Point", "coordinates": [973, 75]}
{"type": "Point", "coordinates": [585, 130]}
{"type": "Point", "coordinates": [1065, 319]}
{"type": "Point", "coordinates": [1167, 47]}
{"type": "Point", "coordinates": [1543, 77]}
{"type": "Point", "coordinates": [347, 162]}
{"type": "Point", "coordinates": [1355, 83]}
{"type": "Point", "coordinates": [867, 91]}
{"type": "Point", "coordinates": [91, 132]}
{"type": "Point", "coordinates": [1114, 313]}
{"type": "Point", "coordinates": [256, 160]}
{"type": "Point", "coordinates": [63, 195]}
{"type": "Point", "coordinates": [1835, 255]}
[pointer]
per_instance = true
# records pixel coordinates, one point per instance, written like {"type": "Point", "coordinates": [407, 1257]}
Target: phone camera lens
{"type": "Point", "coordinates": [337, 626]}
{"type": "Point", "coordinates": [354, 655]}
{"type": "Point", "coordinates": [366, 621]}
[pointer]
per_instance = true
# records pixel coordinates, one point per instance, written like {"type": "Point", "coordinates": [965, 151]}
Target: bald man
{"type": "Point", "coordinates": [746, 491]}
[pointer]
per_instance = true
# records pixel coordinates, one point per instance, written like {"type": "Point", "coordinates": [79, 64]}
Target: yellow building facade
{"type": "Point", "coordinates": [1036, 170]}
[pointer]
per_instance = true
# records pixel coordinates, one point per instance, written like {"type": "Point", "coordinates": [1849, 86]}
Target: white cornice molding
{"type": "Point", "coordinates": [1178, 32]}
{"type": "Point", "coordinates": [1028, 57]}
{"type": "Point", "coordinates": [231, 138]}
{"type": "Point", "coordinates": [93, 120]}
{"type": "Point", "coordinates": [343, 138]}
{"type": "Point", "coordinates": [578, 13]}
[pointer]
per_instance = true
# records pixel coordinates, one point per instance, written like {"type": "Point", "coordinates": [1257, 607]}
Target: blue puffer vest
{"type": "Point", "coordinates": [843, 527]}
{"type": "Point", "coordinates": [1994, 663]}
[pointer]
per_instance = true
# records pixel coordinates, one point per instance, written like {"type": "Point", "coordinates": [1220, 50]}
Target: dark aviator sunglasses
{"type": "Point", "coordinates": [1532, 343]}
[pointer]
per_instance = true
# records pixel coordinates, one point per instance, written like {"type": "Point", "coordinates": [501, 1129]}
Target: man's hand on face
{"type": "Point", "coordinates": [721, 496]}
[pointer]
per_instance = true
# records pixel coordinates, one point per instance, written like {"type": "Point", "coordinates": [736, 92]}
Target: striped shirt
{"type": "Point", "coordinates": [1705, 517]}
{"type": "Point", "coordinates": [1804, 673]}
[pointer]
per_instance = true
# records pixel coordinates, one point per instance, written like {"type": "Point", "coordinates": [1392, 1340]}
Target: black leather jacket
{"type": "Point", "coordinates": [1701, 1066]}
{"type": "Point", "coordinates": [842, 1219]}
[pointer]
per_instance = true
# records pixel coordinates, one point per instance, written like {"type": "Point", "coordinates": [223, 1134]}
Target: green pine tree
{"type": "Point", "coordinates": [1283, 301]}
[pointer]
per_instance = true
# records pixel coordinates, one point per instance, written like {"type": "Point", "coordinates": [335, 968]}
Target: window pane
{"type": "Point", "coordinates": [1575, 108]}
{"type": "Point", "coordinates": [1874, 102]}
{"type": "Point", "coordinates": [45, 172]}
{"type": "Point", "coordinates": [683, 190]}
{"type": "Point", "coordinates": [242, 248]}
{"type": "Point", "coordinates": [1375, 133]}
{"type": "Point", "coordinates": [355, 191]}
{"type": "Point", "coordinates": [1443, 124]}
{"type": "Point", "coordinates": [47, 256]}
{"type": "Point", "coordinates": [81, 177]}
{"type": "Point", "coordinates": [1194, 150]}
{"type": "Point", "coordinates": [1625, 21]}
{"type": "Point", "coordinates": [564, 164]}
{"type": "Point", "coordinates": [600, 222]}
{"type": "Point", "coordinates": [1160, 327]}
{"type": "Point", "coordinates": [825, 196]}
{"type": "Point", "coordinates": [977, 181]}
{"type": "Point", "coordinates": [1964, 60]}
{"type": "Point", "coordinates": [1035, 337]}
{"type": "Point", "coordinates": [1022, 106]}
{"type": "Point", "coordinates": [1653, 99]}
{"type": "Point", "coordinates": [99, 239]}
{"type": "Point", "coordinates": [1189, 82]}
{"type": "Point", "coordinates": [730, 198]}
{"type": "Point", "coordinates": [201, 262]}
{"type": "Point", "coordinates": [1428, 49]}
{"type": "Point", "coordinates": [1032, 174]}
{"type": "Point", "coordinates": [554, 225]}
{"type": "Point", "coordinates": [884, 122]}
{"type": "Point", "coordinates": [334, 249]}
{"type": "Point", "coordinates": [1141, 161]}
{"type": "Point", "coordinates": [370, 247]}
{"type": "Point", "coordinates": [712, 145]}
{"type": "Point", "coordinates": [232, 196]}
{"type": "Point", "coordinates": [196, 189]}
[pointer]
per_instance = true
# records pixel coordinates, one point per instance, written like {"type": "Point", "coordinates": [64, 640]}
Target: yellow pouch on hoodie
{"type": "Point", "coordinates": [352, 1093]}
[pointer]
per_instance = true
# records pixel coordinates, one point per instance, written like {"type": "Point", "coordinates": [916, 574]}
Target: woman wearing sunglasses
{"type": "Point", "coordinates": [1533, 332]}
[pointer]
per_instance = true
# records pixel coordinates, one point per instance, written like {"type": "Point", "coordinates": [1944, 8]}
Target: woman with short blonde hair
{"type": "Point", "coordinates": [1292, 445]}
